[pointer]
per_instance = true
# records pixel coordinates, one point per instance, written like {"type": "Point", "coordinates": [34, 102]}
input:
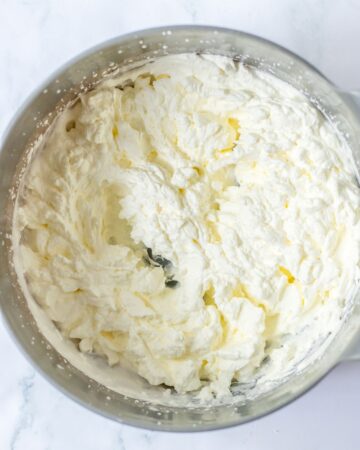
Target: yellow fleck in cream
{"type": "Point", "coordinates": [115, 131]}
{"type": "Point", "coordinates": [290, 277]}
{"type": "Point", "coordinates": [152, 155]}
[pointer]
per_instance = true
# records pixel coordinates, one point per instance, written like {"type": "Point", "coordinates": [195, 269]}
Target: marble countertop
{"type": "Point", "coordinates": [39, 35]}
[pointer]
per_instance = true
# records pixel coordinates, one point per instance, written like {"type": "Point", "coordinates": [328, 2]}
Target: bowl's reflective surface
{"type": "Point", "coordinates": [63, 86]}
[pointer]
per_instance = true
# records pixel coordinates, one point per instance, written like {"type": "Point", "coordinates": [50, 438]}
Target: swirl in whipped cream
{"type": "Point", "coordinates": [193, 224]}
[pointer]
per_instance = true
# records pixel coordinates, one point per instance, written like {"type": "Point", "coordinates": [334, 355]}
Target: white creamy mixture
{"type": "Point", "coordinates": [200, 225]}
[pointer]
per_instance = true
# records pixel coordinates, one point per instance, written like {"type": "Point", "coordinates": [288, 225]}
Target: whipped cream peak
{"type": "Point", "coordinates": [199, 224]}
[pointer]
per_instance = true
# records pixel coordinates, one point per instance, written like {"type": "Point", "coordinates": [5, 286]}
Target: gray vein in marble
{"type": "Point", "coordinates": [120, 441]}
{"type": "Point", "coordinates": [25, 419]}
{"type": "Point", "coordinates": [190, 7]}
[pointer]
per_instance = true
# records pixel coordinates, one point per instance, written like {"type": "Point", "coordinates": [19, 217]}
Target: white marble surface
{"type": "Point", "coordinates": [36, 36]}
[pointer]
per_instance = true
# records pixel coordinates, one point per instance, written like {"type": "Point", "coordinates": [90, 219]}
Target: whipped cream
{"type": "Point", "coordinates": [199, 224]}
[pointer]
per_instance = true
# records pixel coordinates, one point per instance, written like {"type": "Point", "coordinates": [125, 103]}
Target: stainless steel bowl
{"type": "Point", "coordinates": [65, 84]}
